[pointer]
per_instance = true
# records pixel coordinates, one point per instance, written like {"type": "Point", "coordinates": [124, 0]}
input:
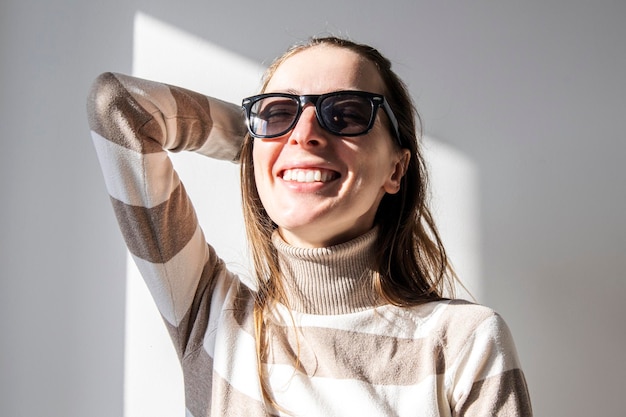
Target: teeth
{"type": "Point", "coordinates": [307, 175]}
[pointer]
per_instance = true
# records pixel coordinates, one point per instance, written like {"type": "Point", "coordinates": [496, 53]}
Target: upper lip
{"type": "Point", "coordinates": [306, 165]}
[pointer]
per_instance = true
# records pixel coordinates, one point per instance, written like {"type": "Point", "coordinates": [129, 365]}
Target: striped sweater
{"type": "Point", "coordinates": [339, 351]}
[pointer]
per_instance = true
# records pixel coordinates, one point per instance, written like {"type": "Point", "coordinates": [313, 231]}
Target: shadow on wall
{"type": "Point", "coordinates": [153, 380]}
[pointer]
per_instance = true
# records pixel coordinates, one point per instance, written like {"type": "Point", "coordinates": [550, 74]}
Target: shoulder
{"type": "Point", "coordinates": [461, 314]}
{"type": "Point", "coordinates": [455, 314]}
{"type": "Point", "coordinates": [461, 325]}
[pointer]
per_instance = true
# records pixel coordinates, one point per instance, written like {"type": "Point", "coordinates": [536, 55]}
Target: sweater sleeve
{"type": "Point", "coordinates": [134, 123]}
{"type": "Point", "coordinates": [487, 379]}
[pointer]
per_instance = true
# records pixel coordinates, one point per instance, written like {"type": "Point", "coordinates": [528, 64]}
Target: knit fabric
{"type": "Point", "coordinates": [337, 349]}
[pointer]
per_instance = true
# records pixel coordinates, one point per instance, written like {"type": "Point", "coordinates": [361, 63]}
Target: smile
{"type": "Point", "coordinates": [309, 175]}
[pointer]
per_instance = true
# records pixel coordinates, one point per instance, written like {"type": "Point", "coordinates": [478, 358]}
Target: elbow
{"type": "Point", "coordinates": [105, 98]}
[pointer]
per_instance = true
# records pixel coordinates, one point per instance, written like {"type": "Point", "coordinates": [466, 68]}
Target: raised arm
{"type": "Point", "coordinates": [134, 123]}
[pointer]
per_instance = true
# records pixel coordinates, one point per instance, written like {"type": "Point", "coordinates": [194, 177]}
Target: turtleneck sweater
{"type": "Point", "coordinates": [330, 280]}
{"type": "Point", "coordinates": [336, 349]}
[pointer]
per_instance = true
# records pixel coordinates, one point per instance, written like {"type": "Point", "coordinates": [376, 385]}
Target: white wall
{"type": "Point", "coordinates": [533, 95]}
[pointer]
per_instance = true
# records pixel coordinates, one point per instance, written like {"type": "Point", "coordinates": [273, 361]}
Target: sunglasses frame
{"type": "Point", "coordinates": [376, 100]}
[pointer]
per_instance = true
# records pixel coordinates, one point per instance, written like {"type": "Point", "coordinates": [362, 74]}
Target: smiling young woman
{"type": "Point", "coordinates": [347, 316]}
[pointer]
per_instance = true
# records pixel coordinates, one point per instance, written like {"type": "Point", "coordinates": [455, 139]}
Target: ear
{"type": "Point", "coordinates": [399, 167]}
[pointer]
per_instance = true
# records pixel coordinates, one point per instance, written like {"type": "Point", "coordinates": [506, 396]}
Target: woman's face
{"type": "Point", "coordinates": [321, 189]}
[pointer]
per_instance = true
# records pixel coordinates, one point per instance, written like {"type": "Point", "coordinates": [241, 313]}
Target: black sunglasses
{"type": "Point", "coordinates": [342, 113]}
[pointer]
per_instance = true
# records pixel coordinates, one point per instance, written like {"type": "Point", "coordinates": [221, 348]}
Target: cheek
{"type": "Point", "coordinates": [377, 164]}
{"type": "Point", "coordinates": [264, 155]}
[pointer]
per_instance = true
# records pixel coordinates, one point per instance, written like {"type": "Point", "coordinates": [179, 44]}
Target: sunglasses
{"type": "Point", "coordinates": [342, 113]}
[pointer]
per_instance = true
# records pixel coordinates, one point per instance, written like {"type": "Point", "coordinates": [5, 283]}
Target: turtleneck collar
{"type": "Point", "coordinates": [331, 280]}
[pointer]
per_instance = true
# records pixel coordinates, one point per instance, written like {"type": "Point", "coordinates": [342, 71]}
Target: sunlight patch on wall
{"type": "Point", "coordinates": [455, 205]}
{"type": "Point", "coordinates": [153, 379]}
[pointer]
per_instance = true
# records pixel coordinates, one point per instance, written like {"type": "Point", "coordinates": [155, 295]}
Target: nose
{"type": "Point", "coordinates": [307, 131]}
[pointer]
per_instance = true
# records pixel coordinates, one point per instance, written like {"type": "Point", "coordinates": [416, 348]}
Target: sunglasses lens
{"type": "Point", "coordinates": [347, 115]}
{"type": "Point", "coordinates": [273, 116]}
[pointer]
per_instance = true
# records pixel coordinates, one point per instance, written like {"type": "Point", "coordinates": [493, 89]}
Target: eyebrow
{"type": "Point", "coordinates": [287, 91]}
{"type": "Point", "coordinates": [298, 93]}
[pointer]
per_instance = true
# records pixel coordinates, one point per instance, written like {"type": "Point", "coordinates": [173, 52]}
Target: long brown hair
{"type": "Point", "coordinates": [411, 262]}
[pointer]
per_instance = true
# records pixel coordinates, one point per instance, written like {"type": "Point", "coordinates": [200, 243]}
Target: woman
{"type": "Point", "coordinates": [347, 316]}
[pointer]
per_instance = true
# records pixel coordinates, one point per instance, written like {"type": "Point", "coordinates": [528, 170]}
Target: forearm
{"type": "Point", "coordinates": [175, 118]}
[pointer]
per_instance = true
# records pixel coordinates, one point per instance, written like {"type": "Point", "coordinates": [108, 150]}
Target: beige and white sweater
{"type": "Point", "coordinates": [357, 355]}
